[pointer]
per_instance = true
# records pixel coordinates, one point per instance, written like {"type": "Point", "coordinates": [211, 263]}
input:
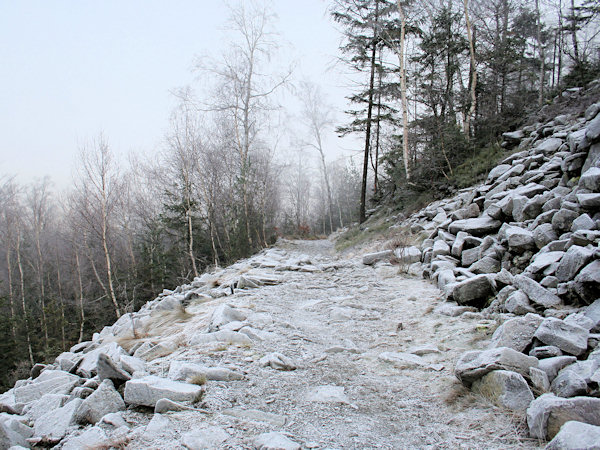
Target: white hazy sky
{"type": "Point", "coordinates": [72, 68]}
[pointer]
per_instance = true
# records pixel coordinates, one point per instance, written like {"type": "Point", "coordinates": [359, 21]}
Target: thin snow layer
{"type": "Point", "coordinates": [334, 321]}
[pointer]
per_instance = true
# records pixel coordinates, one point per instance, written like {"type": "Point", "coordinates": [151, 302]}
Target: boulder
{"type": "Point", "coordinates": [518, 303]}
{"type": "Point", "coordinates": [475, 364]}
{"type": "Point", "coordinates": [570, 339]}
{"type": "Point", "coordinates": [473, 291]}
{"type": "Point", "coordinates": [590, 201]}
{"type": "Point", "coordinates": [108, 370]}
{"type": "Point", "coordinates": [542, 260]}
{"type": "Point", "coordinates": [132, 364]}
{"type": "Point", "coordinates": [10, 438]}
{"type": "Point", "coordinates": [49, 382]}
{"type": "Point", "coordinates": [48, 402]}
{"type": "Point", "coordinates": [371, 258]}
{"type": "Point", "coordinates": [148, 390]}
{"type": "Point", "coordinates": [505, 389]}
{"type": "Point", "coordinates": [592, 312]}
{"type": "Point", "coordinates": [516, 333]}
{"type": "Point", "coordinates": [587, 283]}
{"type": "Point", "coordinates": [555, 364]}
{"type": "Point", "coordinates": [545, 351]}
{"type": "Point", "coordinates": [89, 364]}
{"type": "Point", "coordinates": [103, 401]}
{"type": "Point", "coordinates": [571, 263]}
{"type": "Point", "coordinates": [568, 384]}
{"type": "Point", "coordinates": [539, 380]}
{"type": "Point", "coordinates": [478, 227]}
{"type": "Point", "coordinates": [563, 219]}
{"type": "Point", "coordinates": [548, 413]}
{"type": "Point", "coordinates": [574, 435]}
{"type": "Point", "coordinates": [328, 394]}
{"type": "Point", "coordinates": [535, 292]}
{"type": "Point", "coordinates": [52, 426]}
{"type": "Point", "coordinates": [591, 179]}
{"type": "Point", "coordinates": [440, 247]}
{"type": "Point", "coordinates": [92, 438]}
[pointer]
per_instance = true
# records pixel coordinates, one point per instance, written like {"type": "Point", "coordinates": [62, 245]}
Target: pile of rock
{"type": "Point", "coordinates": [80, 400]}
{"type": "Point", "coordinates": [524, 248]}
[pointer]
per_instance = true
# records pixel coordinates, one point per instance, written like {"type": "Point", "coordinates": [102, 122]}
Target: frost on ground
{"type": "Point", "coordinates": [343, 356]}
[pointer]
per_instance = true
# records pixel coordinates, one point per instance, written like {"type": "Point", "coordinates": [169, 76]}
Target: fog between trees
{"type": "Point", "coordinates": [434, 84]}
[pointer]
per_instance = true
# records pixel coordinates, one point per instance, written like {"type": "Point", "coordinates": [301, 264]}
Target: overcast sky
{"type": "Point", "coordinates": [71, 69]}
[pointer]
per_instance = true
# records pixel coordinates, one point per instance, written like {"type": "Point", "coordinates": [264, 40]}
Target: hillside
{"type": "Point", "coordinates": [301, 346]}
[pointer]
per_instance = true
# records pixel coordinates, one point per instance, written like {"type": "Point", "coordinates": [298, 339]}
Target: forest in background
{"type": "Point", "coordinates": [435, 84]}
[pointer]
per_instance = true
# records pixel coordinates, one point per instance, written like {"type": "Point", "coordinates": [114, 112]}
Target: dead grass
{"type": "Point", "coordinates": [199, 379]}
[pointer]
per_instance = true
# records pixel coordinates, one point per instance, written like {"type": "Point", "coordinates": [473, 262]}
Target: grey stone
{"type": "Point", "coordinates": [224, 314]}
{"type": "Point", "coordinates": [132, 364]}
{"type": "Point", "coordinates": [53, 426]}
{"type": "Point", "coordinates": [583, 222]}
{"type": "Point", "coordinates": [593, 158]}
{"type": "Point", "coordinates": [591, 111]}
{"type": "Point", "coordinates": [205, 438]}
{"type": "Point", "coordinates": [478, 226]}
{"type": "Point", "coordinates": [103, 401]}
{"type": "Point", "coordinates": [549, 145]}
{"type": "Point", "coordinates": [593, 313]}
{"type": "Point", "coordinates": [545, 351]}
{"type": "Point", "coordinates": [277, 361]}
{"type": "Point", "coordinates": [587, 283]}
{"type": "Point", "coordinates": [505, 389]}
{"type": "Point", "coordinates": [452, 310]}
{"type": "Point", "coordinates": [549, 281]}
{"type": "Point", "coordinates": [66, 361]}
{"type": "Point", "coordinates": [563, 219]}
{"type": "Point", "coordinates": [49, 382]}
{"type": "Point", "coordinates": [473, 365]}
{"type": "Point", "coordinates": [473, 291]}
{"type": "Point", "coordinates": [440, 247]}
{"type": "Point", "coordinates": [184, 371]}
{"type": "Point", "coordinates": [513, 137]}
{"type": "Point", "coordinates": [10, 438]}
{"type": "Point", "coordinates": [329, 394]}
{"type": "Point", "coordinates": [592, 131]}
{"type": "Point", "coordinates": [539, 380]}
{"type": "Point", "coordinates": [571, 263]}
{"type": "Point", "coordinates": [47, 402]}
{"type": "Point", "coordinates": [555, 364]}
{"type": "Point", "coordinates": [226, 336]}
{"type": "Point", "coordinates": [548, 413]}
{"type": "Point", "coordinates": [542, 260]}
{"type": "Point", "coordinates": [275, 441]}
{"type": "Point", "coordinates": [535, 292]}
{"type": "Point", "coordinates": [570, 339]}
{"type": "Point", "coordinates": [580, 319]}
{"type": "Point", "coordinates": [516, 333]}
{"type": "Point", "coordinates": [108, 369]}
{"type": "Point", "coordinates": [165, 405]}
{"type": "Point", "coordinates": [591, 179]}
{"type": "Point", "coordinates": [372, 258]}
{"type": "Point", "coordinates": [89, 364]}
{"type": "Point", "coordinates": [159, 427]}
{"type": "Point", "coordinates": [589, 201]}
{"type": "Point", "coordinates": [518, 303]}
{"type": "Point", "coordinates": [487, 264]}
{"type": "Point", "coordinates": [574, 435]}
{"type": "Point", "coordinates": [568, 384]}
{"type": "Point", "coordinates": [92, 438]}
{"type": "Point", "coordinates": [407, 255]}
{"type": "Point", "coordinates": [148, 390]}
{"type": "Point", "coordinates": [459, 243]}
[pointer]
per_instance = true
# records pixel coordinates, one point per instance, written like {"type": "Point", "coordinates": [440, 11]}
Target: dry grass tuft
{"type": "Point", "coordinates": [199, 379]}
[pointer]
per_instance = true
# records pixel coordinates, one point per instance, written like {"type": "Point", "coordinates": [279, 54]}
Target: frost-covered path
{"type": "Point", "coordinates": [354, 333]}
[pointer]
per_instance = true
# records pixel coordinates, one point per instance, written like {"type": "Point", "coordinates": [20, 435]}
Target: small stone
{"type": "Point", "coordinates": [516, 333]}
{"type": "Point", "coordinates": [571, 263]}
{"type": "Point", "coordinates": [275, 441]}
{"type": "Point", "coordinates": [555, 364]}
{"type": "Point", "coordinates": [568, 384]}
{"type": "Point", "coordinates": [328, 394]}
{"type": "Point", "coordinates": [277, 361]}
{"type": "Point", "coordinates": [108, 369]}
{"type": "Point", "coordinates": [547, 351]}
{"type": "Point", "coordinates": [535, 292]}
{"type": "Point", "coordinates": [205, 438]}
{"type": "Point", "coordinates": [473, 291]}
{"type": "Point", "coordinates": [587, 283]}
{"type": "Point", "coordinates": [148, 390]}
{"type": "Point", "coordinates": [539, 380]}
{"type": "Point", "coordinates": [371, 258]}
{"type": "Point", "coordinates": [591, 179]}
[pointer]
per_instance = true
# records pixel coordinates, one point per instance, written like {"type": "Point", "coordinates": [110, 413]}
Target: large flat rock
{"type": "Point", "coordinates": [479, 226]}
{"type": "Point", "coordinates": [571, 339]}
{"type": "Point", "coordinates": [148, 390]}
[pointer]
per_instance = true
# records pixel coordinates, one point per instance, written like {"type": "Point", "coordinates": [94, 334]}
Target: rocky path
{"type": "Point", "coordinates": [355, 334]}
{"type": "Point", "coordinates": [294, 348]}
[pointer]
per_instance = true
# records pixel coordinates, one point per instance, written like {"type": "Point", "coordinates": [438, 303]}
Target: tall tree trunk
{"type": "Point", "coordinates": [62, 304]}
{"type": "Point", "coordinates": [81, 310]}
{"type": "Point", "coordinates": [574, 34]}
{"type": "Point", "coordinates": [22, 283]}
{"type": "Point", "coordinates": [541, 53]}
{"type": "Point", "coordinates": [11, 298]}
{"type": "Point", "coordinates": [473, 71]}
{"type": "Point", "coordinates": [363, 189]}
{"type": "Point", "coordinates": [403, 89]}
{"type": "Point", "coordinates": [40, 271]}
{"type": "Point", "coordinates": [190, 231]}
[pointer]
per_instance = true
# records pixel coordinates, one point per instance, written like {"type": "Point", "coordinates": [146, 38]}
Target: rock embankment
{"type": "Point", "coordinates": [524, 248]}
